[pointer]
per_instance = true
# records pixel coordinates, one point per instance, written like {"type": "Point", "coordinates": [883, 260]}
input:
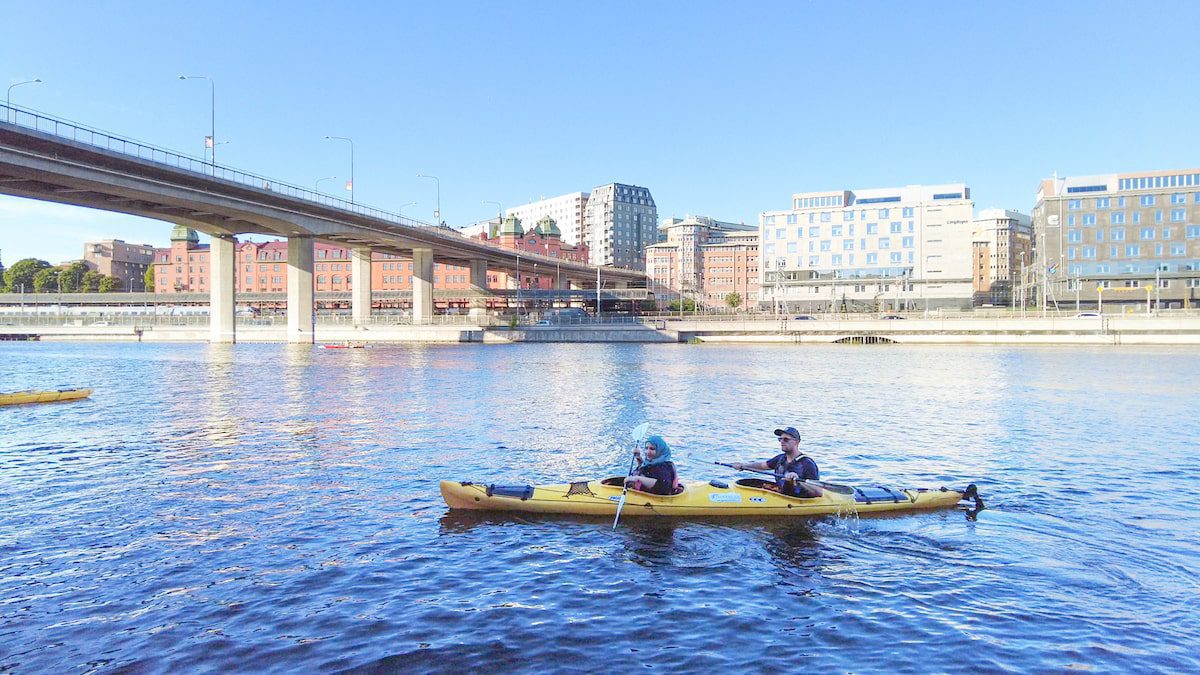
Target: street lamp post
{"type": "Point", "coordinates": [212, 139]}
{"type": "Point", "coordinates": [437, 211]}
{"type": "Point", "coordinates": [8, 97]}
{"type": "Point", "coordinates": [404, 206]}
{"type": "Point", "coordinates": [499, 210]}
{"type": "Point", "coordinates": [349, 185]}
{"type": "Point", "coordinates": [317, 185]}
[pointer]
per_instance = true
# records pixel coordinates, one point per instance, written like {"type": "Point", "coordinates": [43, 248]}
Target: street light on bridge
{"type": "Point", "coordinates": [317, 185]}
{"type": "Point", "coordinates": [8, 97]}
{"type": "Point", "coordinates": [437, 214]}
{"type": "Point", "coordinates": [404, 206]}
{"type": "Point", "coordinates": [350, 184]}
{"type": "Point", "coordinates": [211, 141]}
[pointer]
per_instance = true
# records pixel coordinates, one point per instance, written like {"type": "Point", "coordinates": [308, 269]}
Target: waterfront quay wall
{"type": "Point", "coordinates": [1106, 330]}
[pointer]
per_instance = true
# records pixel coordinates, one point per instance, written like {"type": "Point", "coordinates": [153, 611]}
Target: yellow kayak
{"type": "Point", "coordinates": [745, 497]}
{"type": "Point", "coordinates": [20, 397]}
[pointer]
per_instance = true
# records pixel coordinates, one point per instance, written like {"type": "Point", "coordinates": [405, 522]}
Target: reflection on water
{"type": "Point", "coordinates": [275, 507]}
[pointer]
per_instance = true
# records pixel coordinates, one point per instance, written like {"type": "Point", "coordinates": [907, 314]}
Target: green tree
{"type": "Point", "coordinates": [689, 305]}
{"type": "Point", "coordinates": [90, 282]}
{"type": "Point", "coordinates": [22, 273]}
{"type": "Point", "coordinates": [734, 300]}
{"type": "Point", "coordinates": [3, 286]}
{"type": "Point", "coordinates": [109, 284]}
{"type": "Point", "coordinates": [46, 281]}
{"type": "Point", "coordinates": [70, 280]}
{"type": "Point", "coordinates": [149, 279]}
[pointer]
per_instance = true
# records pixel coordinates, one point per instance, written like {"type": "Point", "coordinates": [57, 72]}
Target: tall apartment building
{"type": "Point", "coordinates": [1119, 238]}
{"type": "Point", "coordinates": [864, 250]}
{"type": "Point", "coordinates": [566, 210]}
{"type": "Point", "coordinates": [115, 258]}
{"type": "Point", "coordinates": [619, 222]}
{"type": "Point", "coordinates": [706, 259]}
{"type": "Point", "coordinates": [1001, 248]}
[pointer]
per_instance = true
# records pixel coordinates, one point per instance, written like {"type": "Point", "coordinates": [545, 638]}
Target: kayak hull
{"type": "Point", "coordinates": [747, 497]}
{"type": "Point", "coordinates": [23, 397]}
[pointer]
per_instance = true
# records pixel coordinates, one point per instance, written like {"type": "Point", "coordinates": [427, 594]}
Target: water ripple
{"type": "Point", "coordinates": [275, 508]}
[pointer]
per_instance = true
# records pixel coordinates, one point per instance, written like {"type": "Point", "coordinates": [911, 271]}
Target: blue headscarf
{"type": "Point", "coordinates": [664, 451]}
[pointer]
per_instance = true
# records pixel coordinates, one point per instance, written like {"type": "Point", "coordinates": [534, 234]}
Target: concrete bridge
{"type": "Point", "coordinates": [49, 159]}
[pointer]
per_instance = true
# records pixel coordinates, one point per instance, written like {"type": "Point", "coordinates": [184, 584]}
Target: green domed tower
{"type": "Point", "coordinates": [511, 227]}
{"type": "Point", "coordinates": [546, 227]}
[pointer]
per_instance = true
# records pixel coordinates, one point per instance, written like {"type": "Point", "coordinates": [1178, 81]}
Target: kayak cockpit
{"type": "Point", "coordinates": [619, 483]}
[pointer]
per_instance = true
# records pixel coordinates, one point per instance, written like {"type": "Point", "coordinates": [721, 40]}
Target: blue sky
{"type": "Point", "coordinates": [720, 108]}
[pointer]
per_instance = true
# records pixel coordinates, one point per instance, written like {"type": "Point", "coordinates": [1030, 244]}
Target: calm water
{"type": "Point", "coordinates": [275, 508]}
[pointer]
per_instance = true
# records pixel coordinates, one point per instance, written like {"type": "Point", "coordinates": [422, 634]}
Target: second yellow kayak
{"type": "Point", "coordinates": [49, 396]}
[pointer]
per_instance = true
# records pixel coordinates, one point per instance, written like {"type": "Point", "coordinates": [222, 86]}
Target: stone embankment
{"type": "Point", "coordinates": [1105, 330]}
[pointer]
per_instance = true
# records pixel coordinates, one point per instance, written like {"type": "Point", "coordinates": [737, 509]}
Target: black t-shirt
{"type": "Point", "coordinates": [802, 466]}
{"type": "Point", "coordinates": [663, 473]}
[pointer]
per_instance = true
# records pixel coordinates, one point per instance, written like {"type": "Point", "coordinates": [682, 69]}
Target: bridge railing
{"type": "Point", "coordinates": [97, 138]}
{"type": "Point", "coordinates": [85, 135]}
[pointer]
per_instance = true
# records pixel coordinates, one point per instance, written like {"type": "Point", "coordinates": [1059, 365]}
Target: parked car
{"type": "Point", "coordinates": [1087, 315]}
{"type": "Point", "coordinates": [100, 323]}
{"type": "Point", "coordinates": [544, 322]}
{"type": "Point", "coordinates": [891, 316]}
{"type": "Point", "coordinates": [804, 317]}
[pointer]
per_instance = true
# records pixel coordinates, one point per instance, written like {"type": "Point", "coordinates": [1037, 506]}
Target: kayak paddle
{"type": "Point", "coordinates": [832, 487]}
{"type": "Point", "coordinates": [638, 433]}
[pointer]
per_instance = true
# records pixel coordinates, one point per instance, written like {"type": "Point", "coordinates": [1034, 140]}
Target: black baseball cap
{"type": "Point", "coordinates": [790, 431]}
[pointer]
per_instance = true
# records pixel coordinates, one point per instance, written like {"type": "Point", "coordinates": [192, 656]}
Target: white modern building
{"type": "Point", "coordinates": [619, 222]}
{"type": "Point", "coordinates": [566, 210]}
{"type": "Point", "coordinates": [869, 250]}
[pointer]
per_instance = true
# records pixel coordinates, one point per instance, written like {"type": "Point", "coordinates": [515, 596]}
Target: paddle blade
{"type": "Point", "coordinates": [639, 432]}
{"type": "Point", "coordinates": [620, 505]}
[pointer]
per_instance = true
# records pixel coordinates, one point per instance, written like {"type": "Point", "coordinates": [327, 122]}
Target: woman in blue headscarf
{"type": "Point", "coordinates": [655, 473]}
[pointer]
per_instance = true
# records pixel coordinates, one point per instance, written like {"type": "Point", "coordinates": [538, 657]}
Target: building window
{"type": "Point", "coordinates": [1074, 204]}
{"type": "Point", "coordinates": [1089, 219]}
{"type": "Point", "coordinates": [1071, 220]}
{"type": "Point", "coordinates": [872, 228]}
{"type": "Point", "coordinates": [847, 244]}
{"type": "Point", "coordinates": [1089, 252]}
{"type": "Point", "coordinates": [1102, 203]}
{"type": "Point", "coordinates": [1118, 234]}
{"type": "Point", "coordinates": [1147, 200]}
{"type": "Point", "coordinates": [1133, 250]}
{"type": "Point", "coordinates": [1074, 236]}
{"type": "Point", "coordinates": [1117, 218]}
{"type": "Point", "coordinates": [1178, 215]}
{"type": "Point", "coordinates": [885, 242]}
{"type": "Point", "coordinates": [1178, 198]}
{"type": "Point", "coordinates": [1147, 233]}
{"type": "Point", "coordinates": [872, 258]}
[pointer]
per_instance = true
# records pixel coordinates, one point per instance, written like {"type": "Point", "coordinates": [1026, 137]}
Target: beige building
{"type": "Point", "coordinates": [706, 260]}
{"type": "Point", "coordinates": [869, 250]}
{"type": "Point", "coordinates": [1001, 247]}
{"type": "Point", "coordinates": [1120, 238]}
{"type": "Point", "coordinates": [126, 262]}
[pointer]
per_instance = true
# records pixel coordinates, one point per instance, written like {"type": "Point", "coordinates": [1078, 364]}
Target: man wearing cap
{"type": "Point", "coordinates": [791, 467]}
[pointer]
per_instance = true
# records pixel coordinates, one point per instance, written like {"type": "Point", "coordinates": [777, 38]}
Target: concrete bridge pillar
{"type": "Point", "coordinates": [479, 287]}
{"type": "Point", "coordinates": [222, 308]}
{"type": "Point", "coordinates": [422, 292]}
{"type": "Point", "coordinates": [300, 289]}
{"type": "Point", "coordinates": [360, 286]}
